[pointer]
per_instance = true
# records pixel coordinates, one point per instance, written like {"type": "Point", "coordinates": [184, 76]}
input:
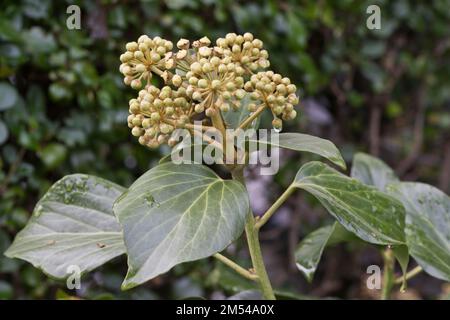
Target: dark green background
{"type": "Point", "coordinates": [63, 109]}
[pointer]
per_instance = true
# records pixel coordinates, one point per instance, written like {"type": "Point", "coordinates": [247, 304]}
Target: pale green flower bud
{"type": "Point", "coordinates": [215, 84]}
{"type": "Point", "coordinates": [199, 108]}
{"type": "Point", "coordinates": [155, 116]}
{"type": "Point", "coordinates": [136, 84]}
{"type": "Point", "coordinates": [177, 80]}
{"type": "Point", "coordinates": [131, 46]}
{"type": "Point", "coordinates": [225, 107]}
{"type": "Point", "coordinates": [196, 67]}
{"type": "Point", "coordinates": [197, 95]}
{"type": "Point", "coordinates": [138, 55]}
{"type": "Point", "coordinates": [277, 123]}
{"type": "Point", "coordinates": [202, 83]}
{"type": "Point", "coordinates": [240, 94]}
{"type": "Point", "coordinates": [136, 131]}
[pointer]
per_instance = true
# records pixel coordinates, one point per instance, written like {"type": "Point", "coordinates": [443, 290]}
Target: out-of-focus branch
{"type": "Point", "coordinates": [419, 123]}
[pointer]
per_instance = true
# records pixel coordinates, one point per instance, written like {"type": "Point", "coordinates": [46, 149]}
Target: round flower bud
{"type": "Point", "coordinates": [277, 124]}
{"type": "Point", "coordinates": [136, 84]}
{"type": "Point", "coordinates": [177, 80]}
{"type": "Point", "coordinates": [202, 83]}
{"type": "Point", "coordinates": [196, 67]}
{"type": "Point", "coordinates": [225, 107]}
{"type": "Point", "coordinates": [136, 131]}
{"type": "Point", "coordinates": [197, 96]}
{"type": "Point", "coordinates": [215, 84]}
{"type": "Point", "coordinates": [155, 116]}
{"type": "Point", "coordinates": [199, 108]}
{"type": "Point", "coordinates": [131, 46]}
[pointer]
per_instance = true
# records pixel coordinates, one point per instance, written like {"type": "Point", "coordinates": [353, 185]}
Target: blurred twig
{"type": "Point", "coordinates": [394, 70]}
{"type": "Point", "coordinates": [419, 123]}
{"type": "Point", "coordinates": [12, 170]}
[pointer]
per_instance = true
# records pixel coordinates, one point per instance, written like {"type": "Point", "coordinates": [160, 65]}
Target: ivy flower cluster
{"type": "Point", "coordinates": [201, 82]}
{"type": "Point", "coordinates": [272, 90]}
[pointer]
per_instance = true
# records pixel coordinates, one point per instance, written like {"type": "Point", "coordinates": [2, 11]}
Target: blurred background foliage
{"type": "Point", "coordinates": [63, 109]}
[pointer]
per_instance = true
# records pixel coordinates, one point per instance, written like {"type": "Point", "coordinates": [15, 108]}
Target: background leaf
{"type": "Point", "coordinates": [372, 171]}
{"type": "Point", "coordinates": [8, 96]}
{"type": "Point", "coordinates": [370, 214]}
{"type": "Point", "coordinates": [178, 213]}
{"type": "Point", "coordinates": [308, 143]}
{"type": "Point", "coordinates": [310, 249]}
{"type": "Point", "coordinates": [73, 224]}
{"type": "Point", "coordinates": [427, 226]}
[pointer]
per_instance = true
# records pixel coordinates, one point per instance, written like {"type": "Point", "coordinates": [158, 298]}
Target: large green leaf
{"type": "Point", "coordinates": [178, 213]}
{"type": "Point", "coordinates": [73, 224]}
{"type": "Point", "coordinates": [309, 251]}
{"type": "Point", "coordinates": [307, 143]}
{"type": "Point", "coordinates": [427, 226]}
{"type": "Point", "coordinates": [372, 171]}
{"type": "Point", "coordinates": [370, 214]}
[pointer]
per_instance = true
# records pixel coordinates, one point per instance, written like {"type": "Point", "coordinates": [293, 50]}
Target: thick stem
{"type": "Point", "coordinates": [254, 247]}
{"type": "Point", "coordinates": [388, 274]}
{"type": "Point", "coordinates": [219, 124]}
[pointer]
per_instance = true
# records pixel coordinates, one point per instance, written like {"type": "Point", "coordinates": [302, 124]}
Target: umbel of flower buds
{"type": "Point", "coordinates": [156, 113]}
{"type": "Point", "coordinates": [144, 57]}
{"type": "Point", "coordinates": [201, 82]}
{"type": "Point", "coordinates": [274, 91]}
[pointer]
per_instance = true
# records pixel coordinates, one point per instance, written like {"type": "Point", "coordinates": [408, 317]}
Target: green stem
{"type": "Point", "coordinates": [233, 265]}
{"type": "Point", "coordinates": [255, 248]}
{"type": "Point", "coordinates": [388, 274]}
{"type": "Point", "coordinates": [411, 274]}
{"type": "Point", "coordinates": [252, 117]}
{"type": "Point", "coordinates": [274, 207]}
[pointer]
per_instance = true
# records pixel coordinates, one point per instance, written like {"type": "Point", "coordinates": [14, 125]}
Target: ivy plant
{"type": "Point", "coordinates": [180, 212]}
{"type": "Point", "coordinates": [425, 227]}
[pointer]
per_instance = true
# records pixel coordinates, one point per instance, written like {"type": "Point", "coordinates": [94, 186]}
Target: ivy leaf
{"type": "Point", "coordinates": [427, 226]}
{"type": "Point", "coordinates": [73, 224]}
{"type": "Point", "coordinates": [178, 213]}
{"type": "Point", "coordinates": [370, 214]}
{"type": "Point", "coordinates": [309, 251]}
{"type": "Point", "coordinates": [372, 171]}
{"type": "Point", "coordinates": [308, 143]}
{"type": "Point", "coordinates": [401, 253]}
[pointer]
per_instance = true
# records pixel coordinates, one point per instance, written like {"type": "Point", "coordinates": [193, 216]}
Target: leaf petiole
{"type": "Point", "coordinates": [233, 265]}
{"type": "Point", "coordinates": [411, 274]}
{"type": "Point", "coordinates": [266, 216]}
